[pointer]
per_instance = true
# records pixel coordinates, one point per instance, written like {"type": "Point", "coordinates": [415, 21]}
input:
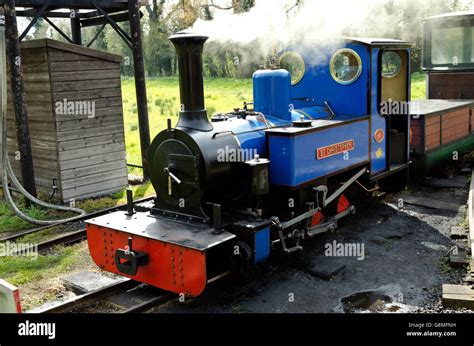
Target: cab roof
{"type": "Point", "coordinates": [370, 41]}
{"type": "Point", "coordinates": [451, 15]}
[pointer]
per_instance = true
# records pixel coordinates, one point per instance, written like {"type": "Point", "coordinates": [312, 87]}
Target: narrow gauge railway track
{"type": "Point", "coordinates": [67, 239]}
{"type": "Point", "coordinates": [79, 219]}
{"type": "Point", "coordinates": [90, 302]}
{"type": "Point", "coordinates": [86, 302]}
{"type": "Point", "coordinates": [87, 299]}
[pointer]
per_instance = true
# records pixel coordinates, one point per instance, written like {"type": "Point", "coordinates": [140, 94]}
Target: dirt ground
{"type": "Point", "coordinates": [404, 267]}
{"type": "Point", "coordinates": [52, 287]}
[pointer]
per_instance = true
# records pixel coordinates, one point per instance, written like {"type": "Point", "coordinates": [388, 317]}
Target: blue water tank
{"type": "Point", "coordinates": [271, 93]}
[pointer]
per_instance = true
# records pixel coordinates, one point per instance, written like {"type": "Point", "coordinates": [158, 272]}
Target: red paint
{"type": "Point", "coordinates": [379, 136]}
{"type": "Point", "coordinates": [16, 297]}
{"type": "Point", "coordinates": [317, 218]}
{"type": "Point", "coordinates": [171, 267]}
{"type": "Point", "coordinates": [342, 204]}
{"type": "Point", "coordinates": [334, 149]}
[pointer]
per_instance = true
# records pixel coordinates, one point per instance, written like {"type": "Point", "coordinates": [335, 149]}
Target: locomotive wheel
{"type": "Point", "coordinates": [241, 255]}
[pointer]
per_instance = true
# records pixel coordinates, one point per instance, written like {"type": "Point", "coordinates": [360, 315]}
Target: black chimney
{"type": "Point", "coordinates": [189, 49]}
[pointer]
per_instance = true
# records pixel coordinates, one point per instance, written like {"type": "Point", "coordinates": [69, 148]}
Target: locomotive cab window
{"type": "Point", "coordinates": [293, 63]}
{"type": "Point", "coordinates": [391, 64]}
{"type": "Point", "coordinates": [345, 66]}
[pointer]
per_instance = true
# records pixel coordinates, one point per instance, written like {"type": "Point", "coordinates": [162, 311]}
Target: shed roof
{"type": "Point", "coordinates": [73, 48]}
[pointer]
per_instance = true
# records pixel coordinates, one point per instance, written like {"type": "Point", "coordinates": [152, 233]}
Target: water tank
{"type": "Point", "coordinates": [271, 93]}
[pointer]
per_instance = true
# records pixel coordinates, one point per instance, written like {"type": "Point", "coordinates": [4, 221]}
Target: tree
{"type": "Point", "coordinates": [237, 6]}
{"type": "Point", "coordinates": [115, 44]}
{"type": "Point", "coordinates": [40, 29]}
{"type": "Point", "coordinates": [240, 6]}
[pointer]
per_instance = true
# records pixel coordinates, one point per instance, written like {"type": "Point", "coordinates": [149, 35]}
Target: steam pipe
{"type": "Point", "coordinates": [189, 48]}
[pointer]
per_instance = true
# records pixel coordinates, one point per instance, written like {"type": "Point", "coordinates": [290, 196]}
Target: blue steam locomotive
{"type": "Point", "coordinates": [231, 189]}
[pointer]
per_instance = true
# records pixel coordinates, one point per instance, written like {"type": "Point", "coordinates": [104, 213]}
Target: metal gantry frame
{"type": "Point", "coordinates": [82, 13]}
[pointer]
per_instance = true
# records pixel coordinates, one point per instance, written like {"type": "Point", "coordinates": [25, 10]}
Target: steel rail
{"type": "Point", "coordinates": [150, 303]}
{"type": "Point", "coordinates": [68, 239]}
{"type": "Point", "coordinates": [87, 299]}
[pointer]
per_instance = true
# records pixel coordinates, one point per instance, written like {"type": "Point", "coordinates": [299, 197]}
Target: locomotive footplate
{"type": "Point", "coordinates": [175, 253]}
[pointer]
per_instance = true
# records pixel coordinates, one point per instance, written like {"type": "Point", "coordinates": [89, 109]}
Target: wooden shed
{"type": "Point", "coordinates": [74, 103]}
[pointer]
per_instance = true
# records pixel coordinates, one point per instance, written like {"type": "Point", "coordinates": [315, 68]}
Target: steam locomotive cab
{"type": "Point", "coordinates": [365, 81]}
{"type": "Point", "coordinates": [231, 189]}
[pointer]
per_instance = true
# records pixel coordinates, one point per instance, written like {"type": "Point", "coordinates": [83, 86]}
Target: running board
{"type": "Point", "coordinates": [393, 169]}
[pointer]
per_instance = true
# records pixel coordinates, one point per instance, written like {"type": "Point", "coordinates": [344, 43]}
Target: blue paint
{"type": "Point", "coordinates": [254, 141]}
{"type": "Point", "coordinates": [271, 93]}
{"type": "Point", "coordinates": [310, 113]}
{"type": "Point", "coordinates": [378, 164]}
{"type": "Point", "coordinates": [262, 244]}
{"type": "Point", "coordinates": [293, 159]}
{"type": "Point", "coordinates": [250, 132]}
{"type": "Point", "coordinates": [318, 85]}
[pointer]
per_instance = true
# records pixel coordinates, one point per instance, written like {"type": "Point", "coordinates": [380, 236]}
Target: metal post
{"type": "Point", "coordinates": [76, 31]}
{"type": "Point", "coordinates": [19, 103]}
{"type": "Point", "coordinates": [130, 210]}
{"type": "Point", "coordinates": [140, 83]}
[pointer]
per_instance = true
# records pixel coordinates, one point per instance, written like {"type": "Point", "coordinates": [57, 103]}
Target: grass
{"type": "Point", "coordinates": [444, 265]}
{"type": "Point", "coordinates": [418, 86]}
{"type": "Point", "coordinates": [22, 270]}
{"type": "Point", "coordinates": [10, 222]}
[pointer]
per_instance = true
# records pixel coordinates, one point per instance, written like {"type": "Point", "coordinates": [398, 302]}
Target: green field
{"type": "Point", "coordinates": [418, 86]}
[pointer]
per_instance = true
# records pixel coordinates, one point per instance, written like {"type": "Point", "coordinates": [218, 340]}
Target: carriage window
{"type": "Point", "coordinates": [451, 46]}
{"type": "Point", "coordinates": [345, 66]}
{"type": "Point", "coordinates": [293, 63]}
{"type": "Point", "coordinates": [391, 64]}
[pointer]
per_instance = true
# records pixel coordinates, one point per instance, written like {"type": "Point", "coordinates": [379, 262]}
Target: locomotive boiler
{"type": "Point", "coordinates": [263, 177]}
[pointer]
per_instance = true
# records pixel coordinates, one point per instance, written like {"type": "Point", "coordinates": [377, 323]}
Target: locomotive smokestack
{"type": "Point", "coordinates": [189, 49]}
